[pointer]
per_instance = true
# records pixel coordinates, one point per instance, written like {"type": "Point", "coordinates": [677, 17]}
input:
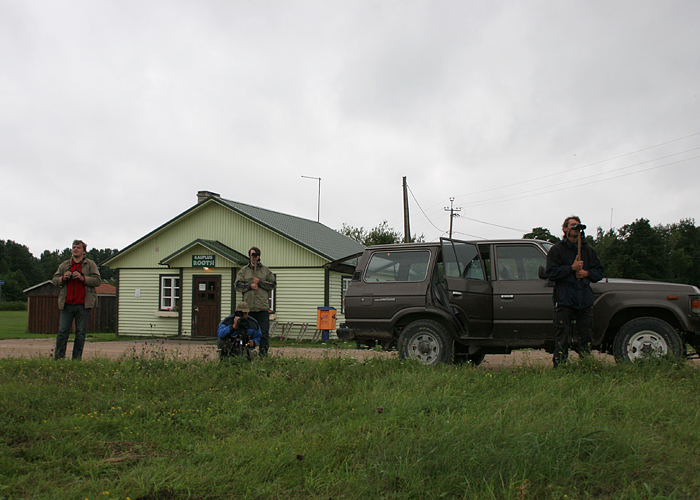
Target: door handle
{"type": "Point", "coordinates": [457, 294]}
{"type": "Point", "coordinates": [507, 297]}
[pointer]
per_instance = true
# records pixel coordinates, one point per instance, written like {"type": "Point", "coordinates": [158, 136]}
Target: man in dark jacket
{"type": "Point", "coordinates": [572, 275]}
{"type": "Point", "coordinates": [238, 327]}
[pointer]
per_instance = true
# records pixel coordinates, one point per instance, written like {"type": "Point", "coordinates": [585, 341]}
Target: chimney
{"type": "Point", "coordinates": [203, 195]}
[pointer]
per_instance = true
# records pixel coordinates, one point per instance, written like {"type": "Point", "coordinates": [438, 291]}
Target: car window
{"type": "Point", "coordinates": [398, 266]}
{"type": "Point", "coordinates": [462, 260]}
{"type": "Point", "coordinates": [519, 262]}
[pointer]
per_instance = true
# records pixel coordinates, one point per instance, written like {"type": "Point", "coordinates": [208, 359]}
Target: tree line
{"type": "Point", "coordinates": [669, 252]}
{"type": "Point", "coordinates": [665, 252]}
{"type": "Point", "coordinates": [19, 269]}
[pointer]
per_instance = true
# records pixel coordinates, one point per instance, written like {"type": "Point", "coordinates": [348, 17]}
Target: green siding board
{"type": "Point", "coordinates": [137, 315]}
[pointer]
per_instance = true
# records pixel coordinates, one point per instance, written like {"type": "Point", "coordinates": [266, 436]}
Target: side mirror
{"type": "Point", "coordinates": [542, 274]}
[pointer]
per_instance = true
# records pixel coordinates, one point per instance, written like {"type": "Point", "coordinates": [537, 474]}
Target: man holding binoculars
{"type": "Point", "coordinates": [256, 282]}
{"type": "Point", "coordinates": [572, 265]}
{"type": "Point", "coordinates": [77, 278]}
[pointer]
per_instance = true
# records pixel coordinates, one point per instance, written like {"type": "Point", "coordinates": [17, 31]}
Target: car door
{"type": "Point", "coordinates": [522, 302]}
{"type": "Point", "coordinates": [467, 285]}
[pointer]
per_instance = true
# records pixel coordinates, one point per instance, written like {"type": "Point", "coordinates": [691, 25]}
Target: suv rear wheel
{"type": "Point", "coordinates": [426, 341]}
{"type": "Point", "coordinates": [646, 337]}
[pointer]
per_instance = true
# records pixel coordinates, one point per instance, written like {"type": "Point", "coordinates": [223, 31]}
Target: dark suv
{"type": "Point", "coordinates": [437, 302]}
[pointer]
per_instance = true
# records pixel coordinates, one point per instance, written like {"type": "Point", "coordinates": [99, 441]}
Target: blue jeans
{"type": "Point", "coordinates": [263, 319]}
{"type": "Point", "coordinates": [68, 314]}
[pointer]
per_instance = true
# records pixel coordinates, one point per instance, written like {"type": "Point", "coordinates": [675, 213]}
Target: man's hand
{"type": "Point", "coordinates": [67, 275]}
{"type": "Point", "coordinates": [577, 265]}
{"type": "Point", "coordinates": [251, 343]}
{"type": "Point", "coordinates": [254, 284]}
{"type": "Point", "coordinates": [235, 323]}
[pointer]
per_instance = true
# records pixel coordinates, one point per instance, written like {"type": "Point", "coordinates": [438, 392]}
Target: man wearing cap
{"type": "Point", "coordinates": [238, 325]}
{"type": "Point", "coordinates": [573, 265]}
{"type": "Point", "coordinates": [77, 279]}
{"type": "Point", "coordinates": [256, 283]}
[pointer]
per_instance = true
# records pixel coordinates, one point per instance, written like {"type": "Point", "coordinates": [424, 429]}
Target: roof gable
{"type": "Point", "coordinates": [313, 236]}
{"type": "Point", "coordinates": [215, 246]}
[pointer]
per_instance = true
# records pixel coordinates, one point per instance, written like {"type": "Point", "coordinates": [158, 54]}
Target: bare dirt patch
{"type": "Point", "coordinates": [190, 350]}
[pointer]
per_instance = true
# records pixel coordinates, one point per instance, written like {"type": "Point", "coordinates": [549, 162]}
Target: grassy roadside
{"type": "Point", "coordinates": [13, 325]}
{"type": "Point", "coordinates": [154, 428]}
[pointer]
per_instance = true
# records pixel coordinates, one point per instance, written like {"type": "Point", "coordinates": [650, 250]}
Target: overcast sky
{"type": "Point", "coordinates": [115, 113]}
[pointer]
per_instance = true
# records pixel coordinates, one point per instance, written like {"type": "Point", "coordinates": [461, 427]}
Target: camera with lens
{"type": "Point", "coordinates": [242, 323]}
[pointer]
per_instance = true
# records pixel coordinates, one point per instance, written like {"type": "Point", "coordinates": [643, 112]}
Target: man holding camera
{"type": "Point", "coordinates": [77, 278]}
{"type": "Point", "coordinates": [238, 331]}
{"type": "Point", "coordinates": [256, 282]}
{"type": "Point", "coordinates": [573, 265]}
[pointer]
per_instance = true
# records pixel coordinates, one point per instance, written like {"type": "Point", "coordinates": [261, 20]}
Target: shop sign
{"type": "Point", "coordinates": [203, 261]}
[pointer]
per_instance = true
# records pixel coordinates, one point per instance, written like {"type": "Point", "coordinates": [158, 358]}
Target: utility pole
{"type": "Point", "coordinates": [406, 220]}
{"type": "Point", "coordinates": [318, 217]}
{"type": "Point", "coordinates": [452, 211]}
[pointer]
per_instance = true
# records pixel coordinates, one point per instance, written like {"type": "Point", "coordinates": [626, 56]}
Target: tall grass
{"type": "Point", "coordinates": [154, 428]}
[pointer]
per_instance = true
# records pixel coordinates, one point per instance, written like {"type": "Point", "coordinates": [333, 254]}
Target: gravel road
{"type": "Point", "coordinates": [187, 349]}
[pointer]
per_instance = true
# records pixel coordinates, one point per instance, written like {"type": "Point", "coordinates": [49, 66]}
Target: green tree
{"type": "Point", "coordinates": [541, 233]}
{"type": "Point", "coordinates": [15, 283]}
{"type": "Point", "coordinates": [662, 253]}
{"type": "Point", "coordinates": [99, 256]}
{"type": "Point", "coordinates": [378, 235]}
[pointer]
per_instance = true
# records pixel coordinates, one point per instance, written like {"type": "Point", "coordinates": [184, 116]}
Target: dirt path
{"type": "Point", "coordinates": [187, 350]}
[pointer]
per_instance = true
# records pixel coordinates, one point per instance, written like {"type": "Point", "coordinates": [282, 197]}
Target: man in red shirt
{"type": "Point", "coordinates": [77, 278]}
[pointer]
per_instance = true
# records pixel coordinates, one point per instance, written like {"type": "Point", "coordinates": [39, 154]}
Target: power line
{"type": "Point", "coordinates": [549, 187]}
{"type": "Point", "coordinates": [588, 165]}
{"type": "Point", "coordinates": [421, 209]}
{"type": "Point", "coordinates": [518, 197]}
{"type": "Point", "coordinates": [575, 169]}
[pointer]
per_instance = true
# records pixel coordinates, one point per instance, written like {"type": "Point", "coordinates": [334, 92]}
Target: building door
{"type": "Point", "coordinates": [206, 300]}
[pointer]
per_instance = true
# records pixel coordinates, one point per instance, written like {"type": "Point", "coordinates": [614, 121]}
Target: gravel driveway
{"type": "Point", "coordinates": [187, 349]}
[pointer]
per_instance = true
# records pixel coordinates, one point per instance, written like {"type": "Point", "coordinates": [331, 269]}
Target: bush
{"type": "Point", "coordinates": [13, 306]}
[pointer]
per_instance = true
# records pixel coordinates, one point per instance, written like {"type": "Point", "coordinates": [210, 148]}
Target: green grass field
{"type": "Point", "coordinates": [13, 325]}
{"type": "Point", "coordinates": [155, 428]}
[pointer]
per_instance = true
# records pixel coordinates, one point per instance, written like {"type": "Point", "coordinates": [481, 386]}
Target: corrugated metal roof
{"type": "Point", "coordinates": [311, 234]}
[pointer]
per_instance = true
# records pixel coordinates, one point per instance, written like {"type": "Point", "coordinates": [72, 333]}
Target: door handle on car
{"type": "Point", "coordinates": [507, 297]}
{"type": "Point", "coordinates": [457, 294]}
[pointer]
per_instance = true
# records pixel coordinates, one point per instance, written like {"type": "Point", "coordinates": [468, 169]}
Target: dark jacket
{"type": "Point", "coordinates": [253, 331]}
{"type": "Point", "coordinates": [568, 290]}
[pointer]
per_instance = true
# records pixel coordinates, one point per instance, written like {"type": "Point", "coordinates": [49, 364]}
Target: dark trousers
{"type": "Point", "coordinates": [563, 329]}
{"type": "Point", "coordinates": [263, 319]}
{"type": "Point", "coordinates": [69, 313]}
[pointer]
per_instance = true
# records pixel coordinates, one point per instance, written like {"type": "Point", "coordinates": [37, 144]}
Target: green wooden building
{"type": "Point", "coordinates": [178, 279]}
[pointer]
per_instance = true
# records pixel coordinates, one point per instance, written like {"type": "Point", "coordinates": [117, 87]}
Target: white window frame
{"type": "Point", "coordinates": [168, 301]}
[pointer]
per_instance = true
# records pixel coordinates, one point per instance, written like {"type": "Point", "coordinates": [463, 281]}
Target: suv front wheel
{"type": "Point", "coordinates": [646, 336]}
{"type": "Point", "coordinates": [426, 341]}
